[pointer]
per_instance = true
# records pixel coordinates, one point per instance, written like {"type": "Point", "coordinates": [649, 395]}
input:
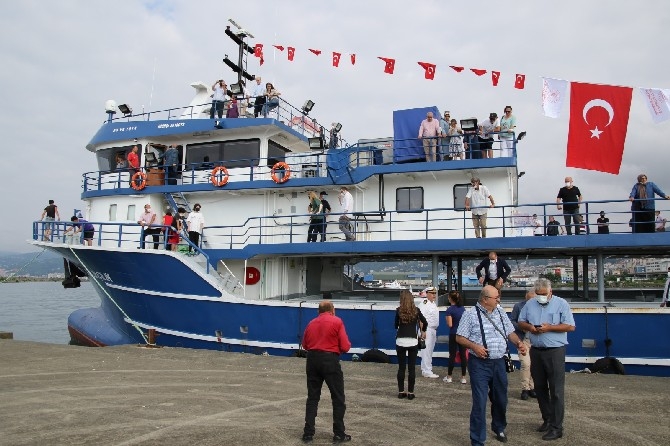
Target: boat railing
{"type": "Point", "coordinates": [113, 235]}
{"type": "Point", "coordinates": [284, 112]}
{"type": "Point", "coordinates": [421, 224]}
{"type": "Point", "coordinates": [300, 165]}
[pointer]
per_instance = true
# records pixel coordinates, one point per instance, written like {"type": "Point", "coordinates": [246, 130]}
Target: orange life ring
{"type": "Point", "coordinates": [142, 184]}
{"type": "Point", "coordinates": [215, 174]}
{"type": "Point", "coordinates": [285, 169]}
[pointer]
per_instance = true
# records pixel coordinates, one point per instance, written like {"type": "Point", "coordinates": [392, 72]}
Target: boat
{"type": "Point", "coordinates": [252, 282]}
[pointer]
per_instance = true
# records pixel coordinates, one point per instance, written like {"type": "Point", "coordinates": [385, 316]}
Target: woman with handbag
{"type": "Point", "coordinates": [410, 327]}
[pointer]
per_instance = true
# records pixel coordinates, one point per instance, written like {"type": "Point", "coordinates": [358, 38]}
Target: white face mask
{"type": "Point", "coordinates": [568, 183]}
{"type": "Point", "coordinates": [542, 300]}
{"type": "Point", "coordinates": [669, 274]}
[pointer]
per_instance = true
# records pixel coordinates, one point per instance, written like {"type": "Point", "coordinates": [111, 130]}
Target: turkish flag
{"type": "Point", "coordinates": [353, 59]}
{"type": "Point", "coordinates": [495, 75]}
{"type": "Point", "coordinates": [598, 126]}
{"type": "Point", "coordinates": [478, 72]}
{"type": "Point", "coordinates": [317, 52]}
{"type": "Point", "coordinates": [279, 47]}
{"type": "Point", "coordinates": [390, 64]}
{"type": "Point", "coordinates": [258, 52]}
{"type": "Point", "coordinates": [457, 69]}
{"type": "Point", "coordinates": [520, 81]}
{"type": "Point", "coordinates": [291, 53]}
{"type": "Point", "coordinates": [336, 59]}
{"type": "Point", "coordinates": [430, 70]}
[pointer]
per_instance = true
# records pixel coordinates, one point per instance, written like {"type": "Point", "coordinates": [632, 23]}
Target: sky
{"type": "Point", "coordinates": [61, 60]}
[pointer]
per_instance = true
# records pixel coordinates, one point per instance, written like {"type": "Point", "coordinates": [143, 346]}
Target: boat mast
{"type": "Point", "coordinates": [241, 67]}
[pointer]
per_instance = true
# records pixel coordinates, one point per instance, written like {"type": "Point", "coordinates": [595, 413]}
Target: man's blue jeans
{"type": "Point", "coordinates": [488, 379]}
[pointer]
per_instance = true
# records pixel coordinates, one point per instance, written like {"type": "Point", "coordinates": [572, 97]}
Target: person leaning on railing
{"type": "Point", "coordinates": [271, 99]}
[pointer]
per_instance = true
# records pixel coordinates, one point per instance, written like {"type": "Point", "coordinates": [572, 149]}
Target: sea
{"type": "Point", "coordinates": [38, 311]}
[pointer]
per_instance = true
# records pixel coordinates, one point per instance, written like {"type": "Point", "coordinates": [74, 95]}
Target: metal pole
{"type": "Point", "coordinates": [585, 276]}
{"type": "Point", "coordinates": [601, 276]}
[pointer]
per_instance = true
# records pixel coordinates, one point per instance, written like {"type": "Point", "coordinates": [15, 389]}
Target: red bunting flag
{"type": "Point", "coordinates": [336, 59]}
{"type": "Point", "coordinates": [478, 72]}
{"type": "Point", "coordinates": [353, 59]}
{"type": "Point", "coordinates": [495, 75]}
{"type": "Point", "coordinates": [390, 64]}
{"type": "Point", "coordinates": [457, 69]}
{"type": "Point", "coordinates": [291, 53]}
{"type": "Point", "coordinates": [258, 52]}
{"type": "Point", "coordinates": [317, 52]}
{"type": "Point", "coordinates": [279, 47]}
{"type": "Point", "coordinates": [430, 70]}
{"type": "Point", "coordinates": [520, 81]}
{"type": "Point", "coordinates": [598, 126]}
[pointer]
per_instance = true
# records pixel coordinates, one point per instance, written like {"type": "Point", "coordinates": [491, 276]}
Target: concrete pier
{"type": "Point", "coordinates": [67, 395]}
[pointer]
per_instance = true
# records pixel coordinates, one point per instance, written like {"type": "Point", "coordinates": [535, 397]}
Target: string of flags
{"type": "Point", "coordinates": [598, 113]}
{"type": "Point", "coordinates": [389, 65]}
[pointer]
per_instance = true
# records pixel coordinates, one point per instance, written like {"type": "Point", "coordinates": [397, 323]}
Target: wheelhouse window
{"type": "Point", "coordinates": [276, 153]}
{"type": "Point", "coordinates": [237, 153]}
{"type": "Point", "coordinates": [409, 199]}
{"type": "Point", "coordinates": [114, 158]}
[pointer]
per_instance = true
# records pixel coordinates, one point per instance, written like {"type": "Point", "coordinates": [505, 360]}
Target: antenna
{"type": "Point", "coordinates": [241, 30]}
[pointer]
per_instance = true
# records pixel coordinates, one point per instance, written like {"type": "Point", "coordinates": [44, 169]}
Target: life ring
{"type": "Point", "coordinates": [253, 276]}
{"type": "Point", "coordinates": [285, 169]}
{"type": "Point", "coordinates": [143, 181]}
{"type": "Point", "coordinates": [215, 174]}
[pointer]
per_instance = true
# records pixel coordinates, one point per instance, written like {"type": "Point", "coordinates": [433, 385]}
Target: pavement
{"type": "Point", "coordinates": [68, 395]}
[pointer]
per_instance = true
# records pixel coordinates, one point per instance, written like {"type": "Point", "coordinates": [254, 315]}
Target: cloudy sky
{"type": "Point", "coordinates": [61, 60]}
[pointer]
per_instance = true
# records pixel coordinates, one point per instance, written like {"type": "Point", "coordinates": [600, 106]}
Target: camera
{"type": "Point", "coordinates": [509, 365]}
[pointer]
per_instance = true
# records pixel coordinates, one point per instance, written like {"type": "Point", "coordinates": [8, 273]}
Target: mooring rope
{"type": "Point", "coordinates": [92, 277]}
{"type": "Point", "coordinates": [24, 266]}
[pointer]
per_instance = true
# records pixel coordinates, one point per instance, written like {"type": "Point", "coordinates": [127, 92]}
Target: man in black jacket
{"type": "Point", "coordinates": [495, 271]}
{"type": "Point", "coordinates": [326, 210]}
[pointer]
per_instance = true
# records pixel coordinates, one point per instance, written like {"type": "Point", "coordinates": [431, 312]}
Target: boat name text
{"type": "Point", "coordinates": [125, 129]}
{"type": "Point", "coordinates": [170, 126]}
{"type": "Point", "coordinates": [102, 276]}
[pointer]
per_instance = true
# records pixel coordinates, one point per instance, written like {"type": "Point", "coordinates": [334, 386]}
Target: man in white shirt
{"type": "Point", "coordinates": [347, 203]}
{"type": "Point", "coordinates": [538, 227]}
{"type": "Point", "coordinates": [475, 200]}
{"type": "Point", "coordinates": [257, 92]}
{"type": "Point", "coordinates": [430, 311]}
{"type": "Point", "coordinates": [218, 98]}
{"type": "Point", "coordinates": [486, 128]}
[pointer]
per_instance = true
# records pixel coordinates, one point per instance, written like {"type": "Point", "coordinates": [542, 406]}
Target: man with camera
{"type": "Point", "coordinates": [218, 98]}
{"type": "Point", "coordinates": [484, 330]}
{"type": "Point", "coordinates": [547, 319]}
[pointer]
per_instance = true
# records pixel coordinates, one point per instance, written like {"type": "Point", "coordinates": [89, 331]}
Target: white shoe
{"type": "Point", "coordinates": [464, 381]}
{"type": "Point", "coordinates": [432, 375]}
{"type": "Point", "coordinates": [447, 379]}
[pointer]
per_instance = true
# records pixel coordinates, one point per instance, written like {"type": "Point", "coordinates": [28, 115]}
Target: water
{"type": "Point", "coordinates": [38, 311]}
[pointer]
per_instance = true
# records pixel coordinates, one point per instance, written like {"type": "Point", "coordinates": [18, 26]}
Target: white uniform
{"type": "Point", "coordinates": [432, 315]}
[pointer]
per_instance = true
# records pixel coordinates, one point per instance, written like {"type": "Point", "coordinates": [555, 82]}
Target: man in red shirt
{"type": "Point", "coordinates": [133, 162]}
{"type": "Point", "coordinates": [325, 339]}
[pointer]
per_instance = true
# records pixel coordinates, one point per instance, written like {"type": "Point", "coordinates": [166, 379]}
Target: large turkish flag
{"type": "Point", "coordinates": [598, 126]}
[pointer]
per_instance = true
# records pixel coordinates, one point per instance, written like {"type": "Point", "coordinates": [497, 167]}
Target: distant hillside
{"type": "Point", "coordinates": [31, 263]}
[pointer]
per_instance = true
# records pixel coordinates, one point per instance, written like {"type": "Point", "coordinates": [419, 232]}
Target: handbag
{"type": "Point", "coordinates": [509, 365]}
{"type": "Point", "coordinates": [421, 342]}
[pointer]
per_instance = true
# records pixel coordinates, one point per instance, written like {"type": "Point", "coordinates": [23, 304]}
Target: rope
{"type": "Point", "coordinates": [92, 277]}
{"type": "Point", "coordinates": [24, 266]}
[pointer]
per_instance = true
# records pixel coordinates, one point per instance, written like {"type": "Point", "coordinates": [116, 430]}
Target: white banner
{"type": "Point", "coordinates": [658, 102]}
{"type": "Point", "coordinates": [554, 92]}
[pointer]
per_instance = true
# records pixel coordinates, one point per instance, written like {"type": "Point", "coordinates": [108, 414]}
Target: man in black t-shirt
{"type": "Point", "coordinates": [571, 198]}
{"type": "Point", "coordinates": [553, 227]}
{"type": "Point", "coordinates": [326, 210]}
{"type": "Point", "coordinates": [603, 224]}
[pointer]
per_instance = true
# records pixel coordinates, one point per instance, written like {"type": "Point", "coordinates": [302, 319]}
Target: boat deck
{"type": "Point", "coordinates": [59, 394]}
